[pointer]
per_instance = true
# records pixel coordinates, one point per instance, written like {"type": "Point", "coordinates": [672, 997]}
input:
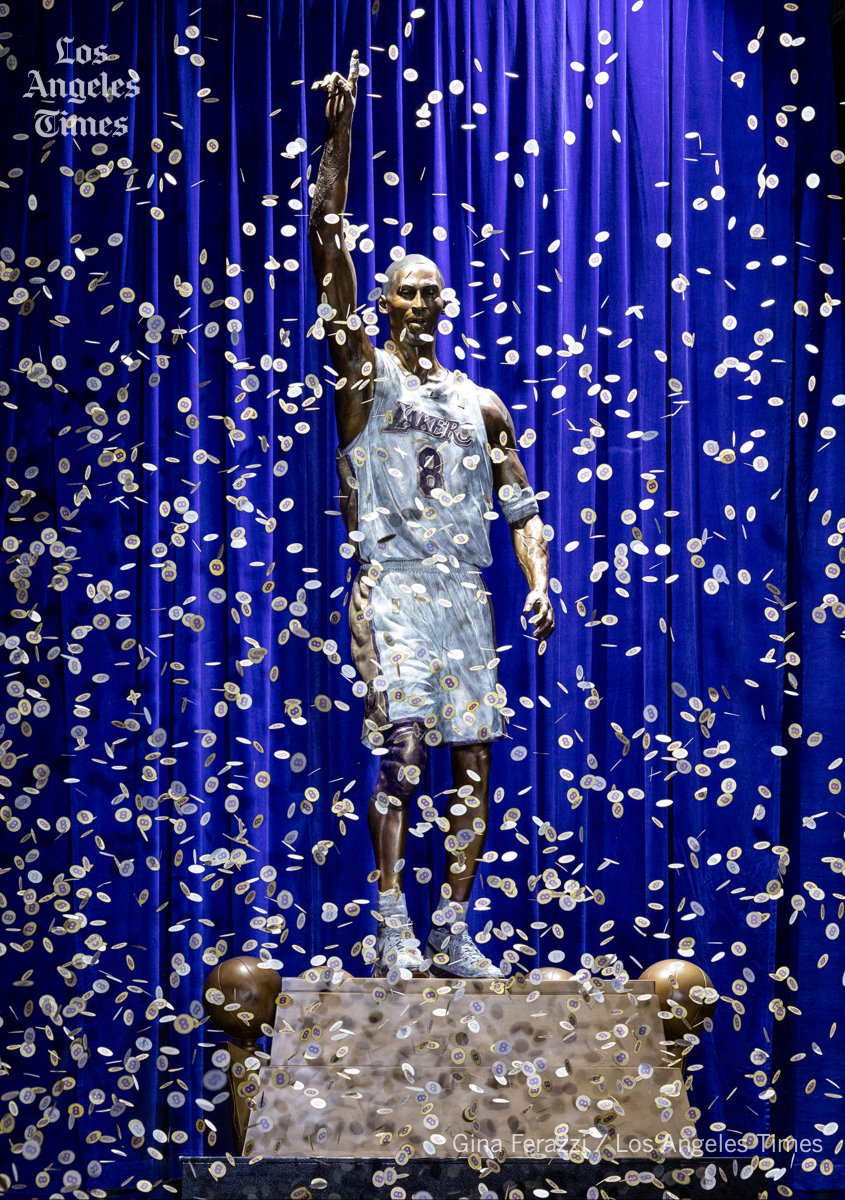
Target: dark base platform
{"type": "Point", "coordinates": [454, 1179]}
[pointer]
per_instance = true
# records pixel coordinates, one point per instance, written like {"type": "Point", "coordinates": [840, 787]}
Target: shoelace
{"type": "Point", "coordinates": [468, 952]}
{"type": "Point", "coordinates": [388, 936]}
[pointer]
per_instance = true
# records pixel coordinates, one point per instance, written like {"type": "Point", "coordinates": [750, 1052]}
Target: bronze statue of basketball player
{"type": "Point", "coordinates": [422, 452]}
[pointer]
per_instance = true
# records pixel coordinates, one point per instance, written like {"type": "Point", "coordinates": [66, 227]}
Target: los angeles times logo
{"type": "Point", "coordinates": [77, 90]}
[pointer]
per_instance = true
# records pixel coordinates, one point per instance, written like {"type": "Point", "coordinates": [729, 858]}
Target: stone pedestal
{"type": "Point", "coordinates": [473, 1070]}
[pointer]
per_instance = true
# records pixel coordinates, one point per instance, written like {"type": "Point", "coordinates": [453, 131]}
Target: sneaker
{"type": "Point", "coordinates": [459, 957]}
{"type": "Point", "coordinates": [398, 949]}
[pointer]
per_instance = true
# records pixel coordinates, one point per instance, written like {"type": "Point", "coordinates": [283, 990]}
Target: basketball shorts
{"type": "Point", "coordinates": [424, 646]}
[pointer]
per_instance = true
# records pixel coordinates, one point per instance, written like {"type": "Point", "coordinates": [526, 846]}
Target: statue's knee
{"type": "Point", "coordinates": [404, 763]}
{"type": "Point", "coordinates": [476, 758]}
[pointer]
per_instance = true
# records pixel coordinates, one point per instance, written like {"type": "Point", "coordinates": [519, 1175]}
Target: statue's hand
{"type": "Point", "coordinates": [342, 92]}
{"type": "Point", "coordinates": [543, 618]}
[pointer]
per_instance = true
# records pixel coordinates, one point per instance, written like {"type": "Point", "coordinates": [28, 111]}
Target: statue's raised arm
{"type": "Point", "coordinates": [351, 350]}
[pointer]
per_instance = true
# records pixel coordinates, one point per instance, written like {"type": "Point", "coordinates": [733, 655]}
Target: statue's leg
{"type": "Point", "coordinates": [449, 945]}
{"type": "Point", "coordinates": [467, 829]}
{"type": "Point", "coordinates": [397, 949]}
{"type": "Point", "coordinates": [388, 815]}
{"type": "Point", "coordinates": [390, 651]}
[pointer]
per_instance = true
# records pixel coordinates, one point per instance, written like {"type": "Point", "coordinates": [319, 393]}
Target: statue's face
{"type": "Point", "coordinates": [414, 305]}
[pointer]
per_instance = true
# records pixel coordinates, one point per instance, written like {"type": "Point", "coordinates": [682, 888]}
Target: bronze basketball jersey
{"type": "Point", "coordinates": [422, 470]}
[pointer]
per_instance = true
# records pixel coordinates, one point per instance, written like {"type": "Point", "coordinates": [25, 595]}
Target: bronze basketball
{"type": "Point", "coordinates": [684, 990]}
{"type": "Point", "coordinates": [248, 992]}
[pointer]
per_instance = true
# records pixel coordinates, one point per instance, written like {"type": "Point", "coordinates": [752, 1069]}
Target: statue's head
{"type": "Point", "coordinates": [412, 297]}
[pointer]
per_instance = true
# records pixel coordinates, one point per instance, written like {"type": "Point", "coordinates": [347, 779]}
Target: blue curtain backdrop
{"type": "Point", "coordinates": [638, 206]}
